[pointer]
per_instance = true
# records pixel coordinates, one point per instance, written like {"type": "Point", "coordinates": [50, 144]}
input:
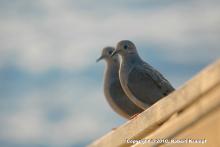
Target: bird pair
{"type": "Point", "coordinates": [130, 84]}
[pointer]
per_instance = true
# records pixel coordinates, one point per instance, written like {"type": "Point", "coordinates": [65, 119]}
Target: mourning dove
{"type": "Point", "coordinates": [143, 84]}
{"type": "Point", "coordinates": [113, 91]}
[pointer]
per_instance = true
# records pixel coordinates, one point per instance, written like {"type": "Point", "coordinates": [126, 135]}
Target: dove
{"type": "Point", "coordinates": [113, 91]}
{"type": "Point", "coordinates": [143, 84]}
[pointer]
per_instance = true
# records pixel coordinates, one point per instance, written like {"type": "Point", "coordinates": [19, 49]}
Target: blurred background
{"type": "Point", "coordinates": [51, 90]}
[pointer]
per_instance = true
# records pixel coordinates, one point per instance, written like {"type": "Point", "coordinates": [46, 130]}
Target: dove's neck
{"type": "Point", "coordinates": [131, 58]}
{"type": "Point", "coordinates": [111, 72]}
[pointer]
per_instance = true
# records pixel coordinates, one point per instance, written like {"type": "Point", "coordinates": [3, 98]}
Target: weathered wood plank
{"type": "Point", "coordinates": [207, 103]}
{"type": "Point", "coordinates": [207, 128]}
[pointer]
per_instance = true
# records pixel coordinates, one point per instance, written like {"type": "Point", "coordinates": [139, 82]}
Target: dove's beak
{"type": "Point", "coordinates": [114, 53]}
{"type": "Point", "coordinates": [100, 58]}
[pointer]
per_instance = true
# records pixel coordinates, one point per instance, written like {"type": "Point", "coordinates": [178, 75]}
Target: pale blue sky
{"type": "Point", "coordinates": [50, 86]}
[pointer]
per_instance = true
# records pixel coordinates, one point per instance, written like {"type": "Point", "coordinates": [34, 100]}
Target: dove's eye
{"type": "Point", "coordinates": [110, 52]}
{"type": "Point", "coordinates": [125, 47]}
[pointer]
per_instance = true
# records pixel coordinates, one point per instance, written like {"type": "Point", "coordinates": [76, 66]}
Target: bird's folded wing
{"type": "Point", "coordinates": [157, 77]}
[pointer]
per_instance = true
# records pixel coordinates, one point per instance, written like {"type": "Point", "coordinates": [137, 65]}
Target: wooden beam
{"type": "Point", "coordinates": [208, 102]}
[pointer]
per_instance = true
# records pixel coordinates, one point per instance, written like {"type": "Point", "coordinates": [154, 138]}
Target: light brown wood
{"type": "Point", "coordinates": [149, 121]}
{"type": "Point", "coordinates": [207, 128]}
{"type": "Point", "coordinates": [207, 103]}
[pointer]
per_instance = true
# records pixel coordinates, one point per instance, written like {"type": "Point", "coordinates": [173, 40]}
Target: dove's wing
{"type": "Point", "coordinates": [147, 84]}
{"type": "Point", "coordinates": [143, 87]}
{"type": "Point", "coordinates": [158, 78]}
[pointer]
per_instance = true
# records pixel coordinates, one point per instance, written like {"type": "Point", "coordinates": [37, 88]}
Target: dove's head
{"type": "Point", "coordinates": [106, 54]}
{"type": "Point", "coordinates": [125, 47]}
